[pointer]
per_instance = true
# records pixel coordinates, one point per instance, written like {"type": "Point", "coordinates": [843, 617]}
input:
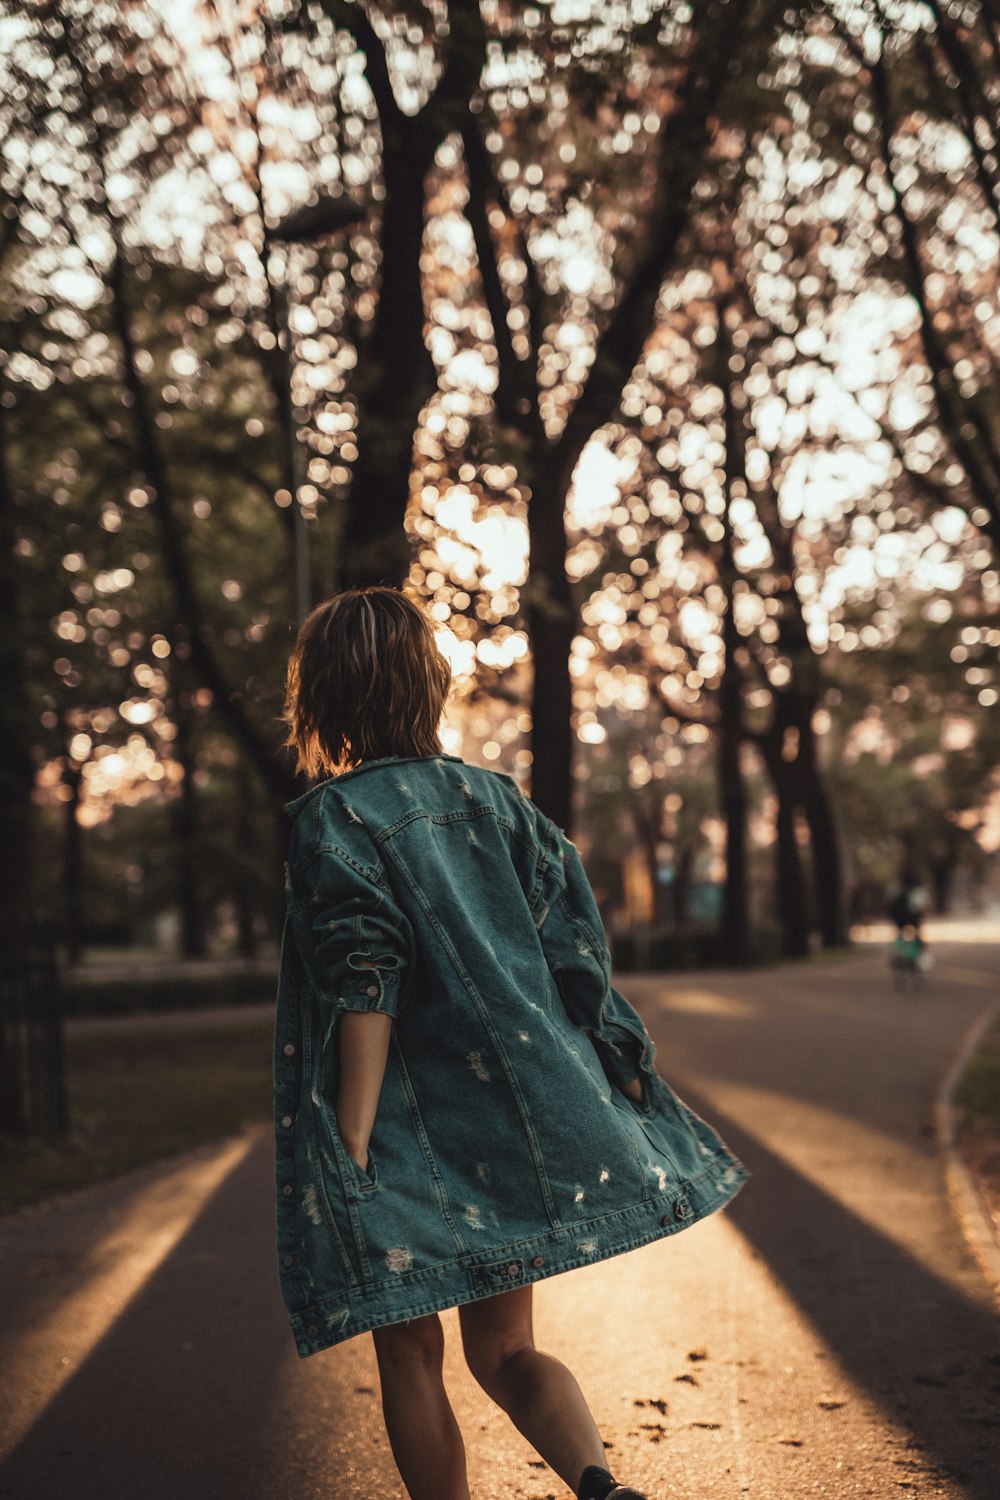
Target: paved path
{"type": "Point", "coordinates": [829, 1335]}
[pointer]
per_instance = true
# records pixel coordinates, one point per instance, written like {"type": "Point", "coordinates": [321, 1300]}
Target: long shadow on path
{"type": "Point", "coordinates": [178, 1399]}
{"type": "Point", "coordinates": [928, 1354]}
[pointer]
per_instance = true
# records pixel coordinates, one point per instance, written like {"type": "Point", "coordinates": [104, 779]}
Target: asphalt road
{"type": "Point", "coordinates": [830, 1334]}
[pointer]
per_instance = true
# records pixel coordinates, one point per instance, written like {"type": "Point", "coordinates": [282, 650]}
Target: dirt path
{"type": "Point", "coordinates": [829, 1335]}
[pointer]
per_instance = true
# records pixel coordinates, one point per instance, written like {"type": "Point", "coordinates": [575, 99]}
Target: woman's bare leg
{"type": "Point", "coordinates": [424, 1436]}
{"type": "Point", "coordinates": [538, 1393]}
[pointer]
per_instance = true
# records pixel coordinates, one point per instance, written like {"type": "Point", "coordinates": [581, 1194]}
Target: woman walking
{"type": "Point", "coordinates": [463, 1103]}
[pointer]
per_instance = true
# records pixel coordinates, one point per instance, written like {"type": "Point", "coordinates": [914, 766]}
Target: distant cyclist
{"type": "Point", "coordinates": [906, 910]}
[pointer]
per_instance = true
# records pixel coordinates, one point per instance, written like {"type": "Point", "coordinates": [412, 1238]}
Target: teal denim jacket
{"type": "Point", "coordinates": [503, 1150]}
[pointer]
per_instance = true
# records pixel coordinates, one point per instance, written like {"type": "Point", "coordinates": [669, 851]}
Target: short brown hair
{"type": "Point", "coordinates": [365, 680]}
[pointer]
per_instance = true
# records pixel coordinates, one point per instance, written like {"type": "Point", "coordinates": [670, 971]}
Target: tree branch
{"type": "Point", "coordinates": [974, 105]}
{"type": "Point", "coordinates": [354, 18]}
{"type": "Point", "coordinates": [518, 382]}
{"type": "Point", "coordinates": [961, 420]}
{"type": "Point", "coordinates": [685, 136]}
{"type": "Point", "coordinates": [150, 461]}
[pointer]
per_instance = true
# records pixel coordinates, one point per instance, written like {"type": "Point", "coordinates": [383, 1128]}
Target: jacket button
{"type": "Point", "coordinates": [665, 1219]}
{"type": "Point", "coordinates": [539, 1260]}
{"type": "Point", "coordinates": [513, 1269]}
{"type": "Point", "coordinates": [372, 989]}
{"type": "Point", "coordinates": [289, 1260]}
{"type": "Point", "coordinates": [286, 1120]}
{"type": "Point", "coordinates": [288, 1049]}
{"type": "Point", "coordinates": [288, 1189]}
{"type": "Point", "coordinates": [312, 1329]}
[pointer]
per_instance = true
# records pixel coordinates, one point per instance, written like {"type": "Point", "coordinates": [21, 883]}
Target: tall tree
{"type": "Point", "coordinates": [722, 37]}
{"type": "Point", "coordinates": [397, 375]}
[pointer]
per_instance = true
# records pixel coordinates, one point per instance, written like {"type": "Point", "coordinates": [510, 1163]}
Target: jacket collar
{"type": "Point", "coordinates": [293, 808]}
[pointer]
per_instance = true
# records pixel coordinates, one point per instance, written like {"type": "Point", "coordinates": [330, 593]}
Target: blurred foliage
{"type": "Point", "coordinates": [132, 1102]}
{"type": "Point", "coordinates": [914, 757]}
{"type": "Point", "coordinates": [806, 441]}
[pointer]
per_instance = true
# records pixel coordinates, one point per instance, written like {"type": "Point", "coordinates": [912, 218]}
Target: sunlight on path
{"type": "Point", "coordinates": [705, 1376]}
{"type": "Point", "coordinates": [827, 1337]}
{"type": "Point", "coordinates": [886, 1180]}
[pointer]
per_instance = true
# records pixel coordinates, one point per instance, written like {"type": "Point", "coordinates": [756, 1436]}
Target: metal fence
{"type": "Point", "coordinates": [32, 1071]}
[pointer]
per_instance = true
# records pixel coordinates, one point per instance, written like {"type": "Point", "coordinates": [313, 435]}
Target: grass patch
{"type": "Point", "coordinates": [977, 1104]}
{"type": "Point", "coordinates": [977, 1097]}
{"type": "Point", "coordinates": [136, 1097]}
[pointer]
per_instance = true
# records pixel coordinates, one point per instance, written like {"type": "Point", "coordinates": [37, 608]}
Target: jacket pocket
{"type": "Point", "coordinates": [364, 1179]}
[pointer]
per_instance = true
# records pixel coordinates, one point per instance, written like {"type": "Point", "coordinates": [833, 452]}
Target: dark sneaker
{"type": "Point", "coordinates": [597, 1484]}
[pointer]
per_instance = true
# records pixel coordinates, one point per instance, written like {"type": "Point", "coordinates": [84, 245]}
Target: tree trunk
{"type": "Point", "coordinates": [942, 868]}
{"type": "Point", "coordinates": [396, 381]}
{"type": "Point", "coordinates": [797, 778]}
{"type": "Point", "coordinates": [16, 769]}
{"type": "Point", "coordinates": [73, 867]}
{"type": "Point", "coordinates": [732, 792]}
{"type": "Point", "coordinates": [733, 800]}
{"type": "Point", "coordinates": [828, 873]}
{"type": "Point", "coordinates": [681, 889]}
{"type": "Point", "coordinates": [243, 893]}
{"type": "Point", "coordinates": [942, 871]}
{"type": "Point", "coordinates": [396, 373]}
{"type": "Point", "coordinates": [186, 830]}
{"type": "Point", "coordinates": [647, 832]}
{"type": "Point", "coordinates": [793, 913]}
{"type": "Point", "coordinates": [552, 622]}
{"type": "Point", "coordinates": [792, 909]}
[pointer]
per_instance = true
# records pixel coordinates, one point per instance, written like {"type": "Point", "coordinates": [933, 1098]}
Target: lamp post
{"type": "Point", "coordinates": [327, 216]}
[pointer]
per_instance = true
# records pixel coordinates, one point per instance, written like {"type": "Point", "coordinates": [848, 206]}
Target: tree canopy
{"type": "Point", "coordinates": [653, 346]}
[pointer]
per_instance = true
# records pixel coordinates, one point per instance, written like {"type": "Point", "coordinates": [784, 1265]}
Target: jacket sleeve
{"type": "Point", "coordinates": [576, 951]}
{"type": "Point", "coordinates": [359, 944]}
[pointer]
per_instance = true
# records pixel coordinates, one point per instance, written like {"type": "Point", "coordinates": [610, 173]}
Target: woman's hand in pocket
{"type": "Point", "coordinates": [633, 1089]}
{"type": "Point", "coordinates": [364, 1048]}
{"type": "Point", "coordinates": [357, 1152]}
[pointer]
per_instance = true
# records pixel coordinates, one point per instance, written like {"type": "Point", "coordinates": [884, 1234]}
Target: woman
{"type": "Point", "coordinates": [463, 1103]}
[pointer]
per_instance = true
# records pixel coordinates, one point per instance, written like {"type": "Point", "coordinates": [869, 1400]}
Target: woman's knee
{"type": "Point", "coordinates": [493, 1331]}
{"type": "Point", "coordinates": [418, 1341]}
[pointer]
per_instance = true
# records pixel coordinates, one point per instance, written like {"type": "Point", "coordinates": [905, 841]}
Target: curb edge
{"type": "Point", "coordinates": [973, 1216]}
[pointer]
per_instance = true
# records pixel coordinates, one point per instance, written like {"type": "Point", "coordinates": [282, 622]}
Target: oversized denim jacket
{"type": "Point", "coordinates": [503, 1150]}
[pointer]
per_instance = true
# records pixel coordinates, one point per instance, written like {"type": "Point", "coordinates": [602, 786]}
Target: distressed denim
{"type": "Point", "coordinates": [504, 1150]}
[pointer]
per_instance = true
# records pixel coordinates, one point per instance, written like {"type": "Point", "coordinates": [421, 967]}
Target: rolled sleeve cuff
{"type": "Point", "coordinates": [625, 1052]}
{"type": "Point", "coordinates": [375, 990]}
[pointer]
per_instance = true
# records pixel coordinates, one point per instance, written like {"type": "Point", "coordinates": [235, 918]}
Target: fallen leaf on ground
{"type": "Point", "coordinates": [830, 1403]}
{"type": "Point", "coordinates": [712, 1426]}
{"type": "Point", "coordinates": [696, 1354]}
{"type": "Point", "coordinates": [791, 1442]}
{"type": "Point", "coordinates": [657, 1401]}
{"type": "Point", "coordinates": [687, 1379]}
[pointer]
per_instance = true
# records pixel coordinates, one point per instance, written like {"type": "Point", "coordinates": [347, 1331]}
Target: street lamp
{"type": "Point", "coordinates": [328, 215]}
